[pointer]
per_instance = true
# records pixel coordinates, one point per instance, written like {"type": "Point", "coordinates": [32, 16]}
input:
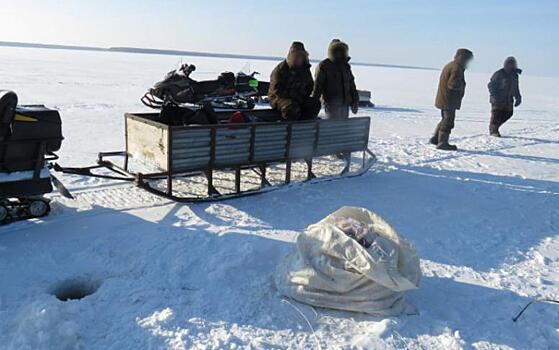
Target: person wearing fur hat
{"type": "Point", "coordinates": [291, 85]}
{"type": "Point", "coordinates": [335, 84]}
{"type": "Point", "coordinates": [505, 95]}
{"type": "Point", "coordinates": [452, 86]}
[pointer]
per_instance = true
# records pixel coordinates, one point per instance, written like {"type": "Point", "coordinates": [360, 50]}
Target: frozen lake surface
{"type": "Point", "coordinates": [485, 221]}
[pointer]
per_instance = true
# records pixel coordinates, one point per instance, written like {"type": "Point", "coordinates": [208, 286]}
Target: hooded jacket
{"type": "Point", "coordinates": [335, 83]}
{"type": "Point", "coordinates": [290, 82]}
{"type": "Point", "coordinates": [504, 88]}
{"type": "Point", "coordinates": [452, 84]}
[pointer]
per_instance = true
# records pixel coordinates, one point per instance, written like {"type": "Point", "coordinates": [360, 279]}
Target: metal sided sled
{"type": "Point", "coordinates": [197, 163]}
{"type": "Point", "coordinates": [28, 137]}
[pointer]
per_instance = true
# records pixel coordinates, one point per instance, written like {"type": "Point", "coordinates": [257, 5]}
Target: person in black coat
{"type": "Point", "coordinates": [335, 84]}
{"type": "Point", "coordinates": [505, 95]}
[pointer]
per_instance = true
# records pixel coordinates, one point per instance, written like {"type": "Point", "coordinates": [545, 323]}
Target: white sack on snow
{"type": "Point", "coordinates": [333, 270]}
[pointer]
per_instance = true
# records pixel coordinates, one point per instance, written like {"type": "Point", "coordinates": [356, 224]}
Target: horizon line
{"type": "Point", "coordinates": [151, 51]}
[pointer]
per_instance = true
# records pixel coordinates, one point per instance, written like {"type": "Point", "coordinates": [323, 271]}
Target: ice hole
{"type": "Point", "coordinates": [75, 288]}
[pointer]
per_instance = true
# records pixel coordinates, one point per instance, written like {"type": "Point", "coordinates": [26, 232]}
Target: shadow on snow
{"type": "Point", "coordinates": [224, 278]}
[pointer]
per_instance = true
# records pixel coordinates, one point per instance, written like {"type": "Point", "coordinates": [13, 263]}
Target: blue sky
{"type": "Point", "coordinates": [422, 32]}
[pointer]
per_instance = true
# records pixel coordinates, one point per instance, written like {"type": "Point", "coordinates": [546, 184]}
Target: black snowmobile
{"type": "Point", "coordinates": [228, 91]}
{"type": "Point", "coordinates": [29, 136]}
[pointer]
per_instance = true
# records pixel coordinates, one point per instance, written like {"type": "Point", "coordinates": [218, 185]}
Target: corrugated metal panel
{"type": "Point", "coordinates": [191, 148]}
{"type": "Point", "coordinates": [190, 143]}
{"type": "Point", "coordinates": [339, 138]}
{"type": "Point", "coordinates": [271, 137]}
{"type": "Point", "coordinates": [338, 147]}
{"type": "Point", "coordinates": [232, 159]}
{"type": "Point", "coordinates": [232, 146]}
{"type": "Point", "coordinates": [222, 151]}
{"type": "Point", "coordinates": [302, 140]}
{"type": "Point", "coordinates": [270, 143]}
{"type": "Point", "coordinates": [191, 134]}
{"type": "Point", "coordinates": [181, 153]}
{"type": "Point", "coordinates": [340, 130]}
{"type": "Point", "coordinates": [237, 132]}
{"type": "Point", "coordinates": [347, 122]}
{"type": "Point", "coordinates": [192, 163]}
{"type": "Point", "coordinates": [221, 143]}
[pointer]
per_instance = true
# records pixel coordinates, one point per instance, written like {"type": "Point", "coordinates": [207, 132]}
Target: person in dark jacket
{"type": "Point", "coordinates": [505, 95]}
{"type": "Point", "coordinates": [291, 85]}
{"type": "Point", "coordinates": [452, 87]}
{"type": "Point", "coordinates": [335, 83]}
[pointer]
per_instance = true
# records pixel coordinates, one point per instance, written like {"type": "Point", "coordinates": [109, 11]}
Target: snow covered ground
{"type": "Point", "coordinates": [485, 221]}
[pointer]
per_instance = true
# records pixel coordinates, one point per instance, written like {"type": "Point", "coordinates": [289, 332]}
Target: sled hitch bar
{"type": "Point", "coordinates": [122, 175]}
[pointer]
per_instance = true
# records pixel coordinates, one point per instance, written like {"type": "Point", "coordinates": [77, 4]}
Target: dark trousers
{"type": "Point", "coordinates": [306, 108]}
{"type": "Point", "coordinates": [447, 121]}
{"type": "Point", "coordinates": [498, 118]}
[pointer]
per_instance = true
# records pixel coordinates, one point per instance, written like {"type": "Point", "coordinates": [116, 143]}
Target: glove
{"type": "Point", "coordinates": [355, 108]}
{"type": "Point", "coordinates": [518, 101]}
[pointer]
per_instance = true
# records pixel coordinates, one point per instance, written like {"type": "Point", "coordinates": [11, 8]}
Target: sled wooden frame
{"type": "Point", "coordinates": [184, 151]}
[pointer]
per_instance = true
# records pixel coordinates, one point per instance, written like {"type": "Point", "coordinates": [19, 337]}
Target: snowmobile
{"type": "Point", "coordinates": [29, 136]}
{"type": "Point", "coordinates": [365, 99]}
{"type": "Point", "coordinates": [248, 86]}
{"type": "Point", "coordinates": [228, 91]}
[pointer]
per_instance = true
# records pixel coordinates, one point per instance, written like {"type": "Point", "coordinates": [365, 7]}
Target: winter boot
{"type": "Point", "coordinates": [443, 142]}
{"type": "Point", "coordinates": [494, 131]}
{"type": "Point", "coordinates": [434, 140]}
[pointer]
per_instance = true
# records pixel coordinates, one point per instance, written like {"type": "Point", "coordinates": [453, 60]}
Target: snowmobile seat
{"type": "Point", "coordinates": [8, 103]}
{"type": "Point", "coordinates": [209, 88]}
{"type": "Point", "coordinates": [34, 132]}
{"type": "Point", "coordinates": [206, 88]}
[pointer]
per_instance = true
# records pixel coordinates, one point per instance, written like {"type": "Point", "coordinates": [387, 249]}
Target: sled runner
{"type": "Point", "coordinates": [29, 136]}
{"type": "Point", "coordinates": [221, 157]}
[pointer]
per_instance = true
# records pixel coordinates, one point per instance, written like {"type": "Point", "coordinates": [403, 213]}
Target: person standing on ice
{"type": "Point", "coordinates": [335, 83]}
{"type": "Point", "coordinates": [452, 86]}
{"type": "Point", "coordinates": [505, 95]}
{"type": "Point", "coordinates": [291, 85]}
